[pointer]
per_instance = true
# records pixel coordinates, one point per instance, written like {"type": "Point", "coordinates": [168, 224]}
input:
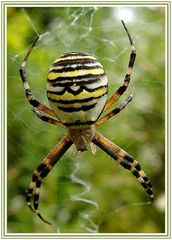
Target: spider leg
{"type": "Point", "coordinates": [126, 82]}
{"type": "Point", "coordinates": [33, 101]}
{"type": "Point", "coordinates": [42, 171]}
{"type": "Point", "coordinates": [116, 110]}
{"type": "Point", "coordinates": [125, 160]}
{"type": "Point", "coordinates": [45, 118]}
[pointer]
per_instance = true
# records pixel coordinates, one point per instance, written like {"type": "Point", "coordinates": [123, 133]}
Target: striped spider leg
{"type": "Point", "coordinates": [77, 88]}
{"type": "Point", "coordinates": [116, 110]}
{"type": "Point", "coordinates": [119, 92]}
{"type": "Point", "coordinates": [45, 118]}
{"type": "Point", "coordinates": [125, 160]}
{"type": "Point", "coordinates": [41, 172]}
{"type": "Point", "coordinates": [118, 154]}
{"type": "Point", "coordinates": [124, 87]}
{"type": "Point", "coordinates": [33, 101]}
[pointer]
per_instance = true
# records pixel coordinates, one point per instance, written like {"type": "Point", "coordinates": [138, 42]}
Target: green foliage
{"type": "Point", "coordinates": [122, 203]}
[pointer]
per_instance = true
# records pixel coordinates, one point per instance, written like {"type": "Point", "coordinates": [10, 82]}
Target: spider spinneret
{"type": "Point", "coordinates": [77, 88]}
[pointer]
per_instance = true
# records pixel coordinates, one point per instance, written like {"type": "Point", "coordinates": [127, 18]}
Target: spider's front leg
{"type": "Point", "coordinates": [41, 172]}
{"type": "Point", "coordinates": [45, 118]}
{"type": "Point", "coordinates": [119, 92]}
{"type": "Point", "coordinates": [115, 111]}
{"type": "Point", "coordinates": [33, 101]}
{"type": "Point", "coordinates": [125, 160]}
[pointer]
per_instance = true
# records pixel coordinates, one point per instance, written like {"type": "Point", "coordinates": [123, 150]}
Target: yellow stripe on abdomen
{"type": "Point", "coordinates": [83, 95]}
{"type": "Point", "coordinates": [55, 75]}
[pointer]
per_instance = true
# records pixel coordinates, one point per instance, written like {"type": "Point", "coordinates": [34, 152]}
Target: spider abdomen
{"type": "Point", "coordinates": [77, 89]}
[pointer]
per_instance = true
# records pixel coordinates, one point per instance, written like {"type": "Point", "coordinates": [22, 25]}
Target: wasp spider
{"type": "Point", "coordinates": [77, 89]}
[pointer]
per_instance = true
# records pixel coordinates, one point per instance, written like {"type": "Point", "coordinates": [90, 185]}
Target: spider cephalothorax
{"type": "Point", "coordinates": [82, 137]}
{"type": "Point", "coordinates": [77, 93]}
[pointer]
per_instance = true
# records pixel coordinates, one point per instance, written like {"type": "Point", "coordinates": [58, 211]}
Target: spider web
{"type": "Point", "coordinates": [80, 183]}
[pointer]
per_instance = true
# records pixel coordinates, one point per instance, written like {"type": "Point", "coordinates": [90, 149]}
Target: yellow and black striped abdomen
{"type": "Point", "coordinates": [77, 89]}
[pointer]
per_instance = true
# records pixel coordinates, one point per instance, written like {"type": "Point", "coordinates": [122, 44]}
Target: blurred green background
{"type": "Point", "coordinates": [88, 193]}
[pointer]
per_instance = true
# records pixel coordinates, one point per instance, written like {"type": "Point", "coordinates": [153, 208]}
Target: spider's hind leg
{"type": "Point", "coordinates": [34, 191]}
{"type": "Point", "coordinates": [42, 171]}
{"type": "Point", "coordinates": [125, 160]}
